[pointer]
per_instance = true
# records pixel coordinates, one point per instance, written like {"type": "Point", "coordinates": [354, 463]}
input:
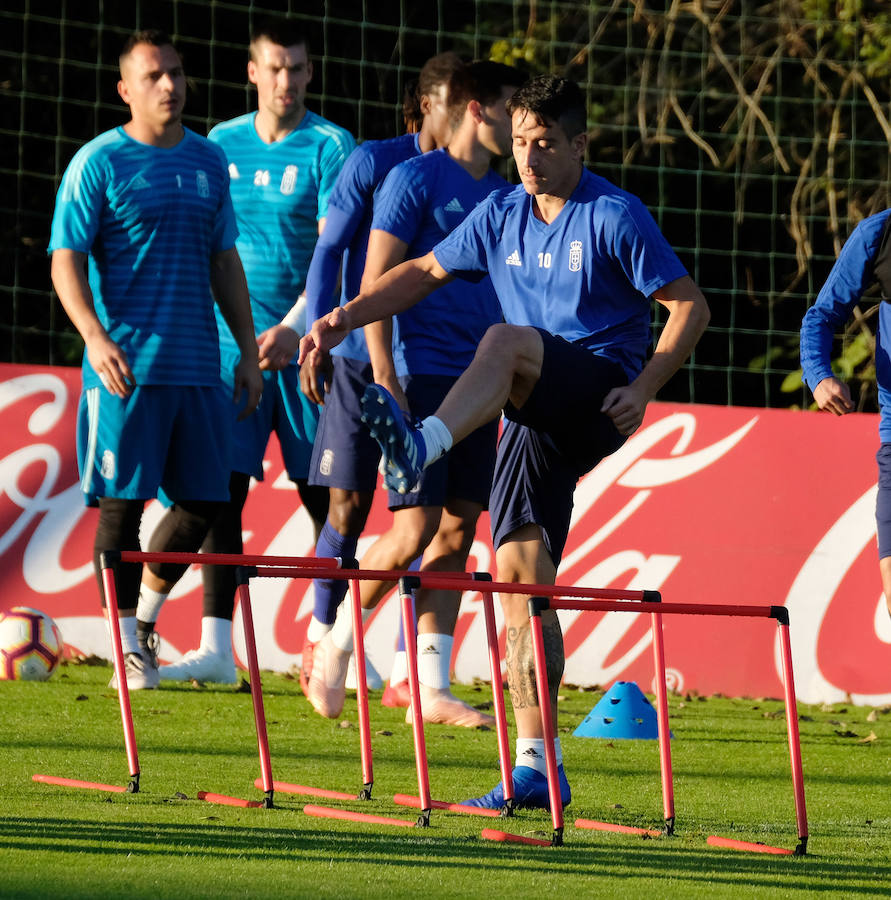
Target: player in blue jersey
{"type": "Point", "coordinates": [143, 242]}
{"type": "Point", "coordinates": [854, 272]}
{"type": "Point", "coordinates": [574, 261]}
{"type": "Point", "coordinates": [345, 457]}
{"type": "Point", "coordinates": [283, 160]}
{"type": "Point", "coordinates": [419, 358]}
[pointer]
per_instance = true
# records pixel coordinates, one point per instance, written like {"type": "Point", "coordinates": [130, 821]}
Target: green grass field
{"type": "Point", "coordinates": [732, 778]}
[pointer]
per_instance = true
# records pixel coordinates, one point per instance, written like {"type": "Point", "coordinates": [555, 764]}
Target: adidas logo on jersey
{"type": "Point", "coordinates": [233, 171]}
{"type": "Point", "coordinates": [140, 184]}
{"type": "Point", "coordinates": [514, 259]}
{"type": "Point", "coordinates": [454, 205]}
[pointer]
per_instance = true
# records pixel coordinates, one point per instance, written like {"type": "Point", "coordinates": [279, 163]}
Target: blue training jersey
{"type": "Point", "coordinates": [587, 276]}
{"type": "Point", "coordinates": [422, 201]}
{"type": "Point", "coordinates": [280, 191]}
{"type": "Point", "coordinates": [345, 236]}
{"type": "Point", "coordinates": [150, 219]}
{"type": "Point", "coordinates": [850, 277]}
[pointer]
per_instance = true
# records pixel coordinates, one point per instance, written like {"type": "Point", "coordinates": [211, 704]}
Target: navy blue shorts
{"type": "Point", "coordinates": [345, 455]}
{"type": "Point", "coordinates": [171, 438]}
{"type": "Point", "coordinates": [465, 472]}
{"type": "Point", "coordinates": [883, 501]}
{"type": "Point", "coordinates": [284, 409]}
{"type": "Point", "coordinates": [557, 436]}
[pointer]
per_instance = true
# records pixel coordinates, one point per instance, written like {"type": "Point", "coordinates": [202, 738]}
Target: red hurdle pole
{"type": "Point", "coordinates": [409, 630]}
{"type": "Point", "coordinates": [107, 562]}
{"type": "Point", "coordinates": [662, 722]}
{"type": "Point", "coordinates": [792, 729]}
{"type": "Point", "coordinates": [361, 691]}
{"type": "Point", "coordinates": [230, 559]}
{"type": "Point", "coordinates": [242, 575]}
{"type": "Point", "coordinates": [536, 605]}
{"type": "Point", "coordinates": [507, 777]}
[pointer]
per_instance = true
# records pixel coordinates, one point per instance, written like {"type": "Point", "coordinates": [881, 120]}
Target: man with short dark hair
{"type": "Point", "coordinates": [419, 358]}
{"type": "Point", "coordinates": [574, 261]}
{"type": "Point", "coordinates": [146, 208]}
{"type": "Point", "coordinates": [283, 161]}
{"type": "Point", "coordinates": [345, 457]}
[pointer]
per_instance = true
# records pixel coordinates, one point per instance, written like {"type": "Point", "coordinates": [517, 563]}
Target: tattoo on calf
{"type": "Point", "coordinates": [520, 663]}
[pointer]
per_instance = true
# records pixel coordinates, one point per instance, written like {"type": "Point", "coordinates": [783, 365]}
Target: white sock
{"type": "Point", "coordinates": [342, 630]}
{"type": "Point", "coordinates": [531, 753]}
{"type": "Point", "coordinates": [399, 672]}
{"type": "Point", "coordinates": [437, 439]}
{"type": "Point", "coordinates": [434, 657]}
{"type": "Point", "coordinates": [316, 630]}
{"type": "Point", "coordinates": [129, 644]}
{"type": "Point", "coordinates": [216, 635]}
{"type": "Point", "coordinates": [149, 606]}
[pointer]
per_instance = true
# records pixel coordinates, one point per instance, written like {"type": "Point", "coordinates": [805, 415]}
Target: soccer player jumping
{"type": "Point", "coordinates": [574, 261]}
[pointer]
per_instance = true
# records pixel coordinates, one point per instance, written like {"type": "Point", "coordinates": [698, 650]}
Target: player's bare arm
{"type": "Point", "coordinates": [688, 316]}
{"type": "Point", "coordinates": [385, 252]}
{"type": "Point", "coordinates": [833, 395]}
{"type": "Point", "coordinates": [231, 294]}
{"type": "Point", "coordinates": [68, 270]}
{"type": "Point", "coordinates": [398, 290]}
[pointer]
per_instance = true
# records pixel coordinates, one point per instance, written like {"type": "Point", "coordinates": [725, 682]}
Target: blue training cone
{"type": "Point", "coordinates": [623, 712]}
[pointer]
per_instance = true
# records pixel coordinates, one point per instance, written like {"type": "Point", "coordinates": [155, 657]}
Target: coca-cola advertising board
{"type": "Point", "coordinates": [705, 504]}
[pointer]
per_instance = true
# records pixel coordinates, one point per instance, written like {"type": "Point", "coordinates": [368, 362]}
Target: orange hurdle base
{"type": "Point", "coordinates": [88, 785]}
{"type": "Point", "coordinates": [754, 847]}
{"type": "Point", "coordinates": [593, 825]}
{"type": "Point", "coordinates": [492, 834]}
{"type": "Point", "coordinates": [328, 812]}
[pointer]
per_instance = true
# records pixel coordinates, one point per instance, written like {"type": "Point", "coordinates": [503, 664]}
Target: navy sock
{"type": "Point", "coordinates": [400, 642]}
{"type": "Point", "coordinates": [328, 592]}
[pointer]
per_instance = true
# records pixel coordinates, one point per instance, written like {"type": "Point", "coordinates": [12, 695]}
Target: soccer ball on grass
{"type": "Point", "coordinates": [30, 645]}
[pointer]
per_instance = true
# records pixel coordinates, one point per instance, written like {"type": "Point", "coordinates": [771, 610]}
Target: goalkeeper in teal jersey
{"type": "Point", "coordinates": [283, 161]}
{"type": "Point", "coordinates": [143, 242]}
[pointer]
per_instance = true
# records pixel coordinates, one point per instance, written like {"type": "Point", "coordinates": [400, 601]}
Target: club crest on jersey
{"type": "Point", "coordinates": [289, 180]}
{"type": "Point", "coordinates": [107, 466]}
{"type": "Point", "coordinates": [202, 183]}
{"type": "Point", "coordinates": [575, 256]}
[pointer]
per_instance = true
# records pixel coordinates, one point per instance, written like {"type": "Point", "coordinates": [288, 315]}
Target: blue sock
{"type": "Point", "coordinates": [329, 593]}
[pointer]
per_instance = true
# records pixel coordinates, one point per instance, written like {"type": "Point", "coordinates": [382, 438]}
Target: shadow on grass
{"type": "Point", "coordinates": [640, 859]}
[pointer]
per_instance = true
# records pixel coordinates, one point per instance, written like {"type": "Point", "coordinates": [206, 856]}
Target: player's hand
{"type": "Point", "coordinates": [833, 396]}
{"type": "Point", "coordinates": [315, 376]}
{"type": "Point", "coordinates": [277, 346]}
{"type": "Point", "coordinates": [110, 363]}
{"type": "Point", "coordinates": [325, 333]}
{"type": "Point", "coordinates": [626, 407]}
{"type": "Point", "coordinates": [248, 383]}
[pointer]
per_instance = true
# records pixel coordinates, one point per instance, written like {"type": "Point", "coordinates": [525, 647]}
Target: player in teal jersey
{"type": "Point", "coordinates": [421, 201]}
{"type": "Point", "coordinates": [283, 161]}
{"type": "Point", "coordinates": [143, 242]}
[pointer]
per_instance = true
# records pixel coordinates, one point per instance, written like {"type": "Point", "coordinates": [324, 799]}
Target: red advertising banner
{"type": "Point", "coordinates": [705, 504]}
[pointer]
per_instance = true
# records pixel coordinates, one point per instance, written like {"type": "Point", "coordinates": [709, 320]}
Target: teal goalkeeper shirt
{"type": "Point", "coordinates": [280, 191]}
{"type": "Point", "coordinates": [150, 219]}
